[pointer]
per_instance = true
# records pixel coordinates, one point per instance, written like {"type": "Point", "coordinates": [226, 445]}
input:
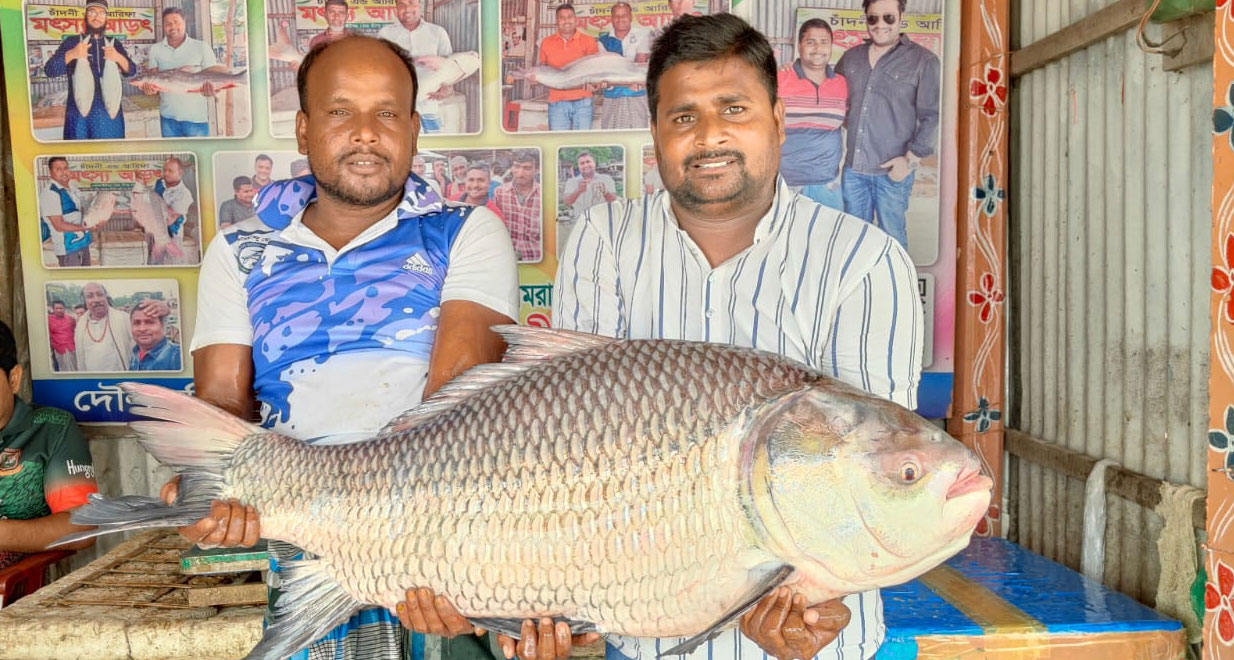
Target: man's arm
{"type": "Point", "coordinates": [34, 535]}
{"type": "Point", "coordinates": [58, 223]}
{"type": "Point", "coordinates": [574, 189]}
{"type": "Point", "coordinates": [58, 64]}
{"type": "Point", "coordinates": [922, 144]}
{"type": "Point", "coordinates": [223, 376]}
{"type": "Point", "coordinates": [585, 296]}
{"type": "Point", "coordinates": [463, 340]}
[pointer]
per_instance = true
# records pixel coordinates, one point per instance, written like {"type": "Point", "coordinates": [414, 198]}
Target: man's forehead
{"type": "Point", "coordinates": [816, 33]}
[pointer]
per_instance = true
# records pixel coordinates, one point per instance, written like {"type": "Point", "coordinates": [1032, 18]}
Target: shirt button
{"type": "Point", "coordinates": [710, 313]}
{"type": "Point", "coordinates": [711, 277]}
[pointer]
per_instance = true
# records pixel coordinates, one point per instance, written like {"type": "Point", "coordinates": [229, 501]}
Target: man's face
{"type": "Point", "coordinates": [79, 311]}
{"type": "Point", "coordinates": [419, 166]}
{"type": "Point", "coordinates": [587, 166]}
{"type": "Point", "coordinates": [9, 387]}
{"type": "Point", "coordinates": [476, 184]}
{"type": "Point", "coordinates": [459, 171]}
{"type": "Point", "coordinates": [680, 7]}
{"type": "Point", "coordinates": [58, 310]}
{"type": "Point", "coordinates": [524, 173]}
{"type": "Point", "coordinates": [880, 32]}
{"type": "Point", "coordinates": [336, 17]}
{"type": "Point", "coordinates": [147, 330]}
{"type": "Point", "coordinates": [439, 168]}
{"type": "Point", "coordinates": [408, 12]}
{"type": "Point", "coordinates": [173, 27]}
{"type": "Point", "coordinates": [96, 18]}
{"type": "Point", "coordinates": [622, 17]}
{"type": "Point", "coordinates": [172, 173]}
{"type": "Point", "coordinates": [565, 22]}
{"type": "Point", "coordinates": [245, 193]}
{"type": "Point", "coordinates": [60, 172]}
{"type": "Point", "coordinates": [358, 129]}
{"type": "Point", "coordinates": [814, 49]}
{"type": "Point", "coordinates": [96, 300]}
{"type": "Point", "coordinates": [263, 168]}
{"type": "Point", "coordinates": [717, 135]}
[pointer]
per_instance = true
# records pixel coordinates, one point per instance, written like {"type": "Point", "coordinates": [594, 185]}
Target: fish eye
{"type": "Point", "coordinates": [910, 472]}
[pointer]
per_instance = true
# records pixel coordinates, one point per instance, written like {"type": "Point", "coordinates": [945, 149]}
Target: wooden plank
{"type": "Point", "coordinates": [1111, 20]}
{"type": "Point", "coordinates": [1194, 41]}
{"type": "Point", "coordinates": [1129, 485]}
{"type": "Point", "coordinates": [233, 594]}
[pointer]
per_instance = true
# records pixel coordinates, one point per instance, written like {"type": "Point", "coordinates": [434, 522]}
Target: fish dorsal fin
{"type": "Point", "coordinates": [526, 348]}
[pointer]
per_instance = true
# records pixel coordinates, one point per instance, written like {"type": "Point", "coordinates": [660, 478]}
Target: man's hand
{"type": "Point", "coordinates": [110, 53]}
{"type": "Point", "coordinates": [207, 89]}
{"type": "Point", "coordinates": [430, 62]}
{"type": "Point", "coordinates": [544, 641]}
{"type": "Point", "coordinates": [901, 167]}
{"type": "Point", "coordinates": [79, 52]}
{"type": "Point", "coordinates": [150, 88]}
{"type": "Point", "coordinates": [159, 308]}
{"type": "Point", "coordinates": [229, 525]}
{"type": "Point", "coordinates": [445, 91]}
{"type": "Point", "coordinates": [784, 627]}
{"type": "Point", "coordinates": [531, 77]}
{"type": "Point", "coordinates": [427, 614]}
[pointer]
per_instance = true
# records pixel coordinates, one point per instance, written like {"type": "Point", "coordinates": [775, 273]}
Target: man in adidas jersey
{"type": "Point", "coordinates": [355, 291]}
{"type": "Point", "coordinates": [728, 253]}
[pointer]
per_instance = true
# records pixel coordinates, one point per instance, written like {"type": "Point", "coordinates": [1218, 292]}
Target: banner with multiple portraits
{"type": "Point", "coordinates": [139, 131]}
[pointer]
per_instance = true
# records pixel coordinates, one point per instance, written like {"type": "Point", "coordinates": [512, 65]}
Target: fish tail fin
{"type": "Point", "coordinates": [194, 438]}
{"type": "Point", "coordinates": [175, 250]}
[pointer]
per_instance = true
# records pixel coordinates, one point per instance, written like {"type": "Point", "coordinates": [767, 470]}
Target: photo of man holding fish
{"type": "Point", "coordinates": [94, 62]}
{"type": "Point", "coordinates": [442, 37]}
{"type": "Point", "coordinates": [110, 211]}
{"type": "Point", "coordinates": [586, 62]}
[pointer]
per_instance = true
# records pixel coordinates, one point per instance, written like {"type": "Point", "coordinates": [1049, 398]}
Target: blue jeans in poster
{"type": "Point", "coordinates": [570, 115]}
{"type": "Point", "coordinates": [176, 128]}
{"type": "Point", "coordinates": [880, 201]}
{"type": "Point", "coordinates": [827, 194]}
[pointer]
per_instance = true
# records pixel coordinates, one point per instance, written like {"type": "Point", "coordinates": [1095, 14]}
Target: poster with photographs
{"type": "Point", "coordinates": [443, 38]}
{"type": "Point", "coordinates": [240, 175]}
{"type": "Point", "coordinates": [506, 181]}
{"type": "Point", "coordinates": [146, 70]}
{"type": "Point", "coordinates": [118, 210]}
{"type": "Point", "coordinates": [650, 171]}
{"type": "Point", "coordinates": [586, 176]}
{"type": "Point", "coordinates": [114, 326]}
{"type": "Point", "coordinates": [582, 66]}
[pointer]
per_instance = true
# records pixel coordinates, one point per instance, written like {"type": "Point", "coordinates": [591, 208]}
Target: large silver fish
{"type": "Point", "coordinates": [113, 88]}
{"type": "Point", "coordinates": [450, 70]}
{"type": "Point", "coordinates": [83, 85]}
{"type": "Point", "coordinates": [100, 210]}
{"type": "Point", "coordinates": [650, 488]}
{"type": "Point", "coordinates": [599, 68]}
{"type": "Point", "coordinates": [180, 81]}
{"type": "Point", "coordinates": [151, 213]}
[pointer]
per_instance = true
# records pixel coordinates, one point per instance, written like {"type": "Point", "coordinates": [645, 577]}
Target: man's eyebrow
{"type": "Point", "coordinates": [683, 107]}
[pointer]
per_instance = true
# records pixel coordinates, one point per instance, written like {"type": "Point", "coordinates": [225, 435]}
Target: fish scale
{"type": "Point", "coordinates": [651, 488]}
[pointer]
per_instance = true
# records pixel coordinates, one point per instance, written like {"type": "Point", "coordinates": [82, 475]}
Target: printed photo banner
{"type": "Point", "coordinates": [848, 28]}
{"type": "Point", "coordinates": [53, 23]}
{"type": "Point", "coordinates": [361, 14]}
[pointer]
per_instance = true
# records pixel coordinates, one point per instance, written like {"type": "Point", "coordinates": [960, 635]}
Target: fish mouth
{"type": "Point", "coordinates": [968, 482]}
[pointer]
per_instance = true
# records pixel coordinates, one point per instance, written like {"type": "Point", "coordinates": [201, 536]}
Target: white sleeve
{"type": "Point", "coordinates": [444, 47]}
{"type": "Point", "coordinates": [49, 203]}
{"type": "Point", "coordinates": [585, 296]}
{"type": "Point", "coordinates": [207, 56]}
{"type": "Point", "coordinates": [180, 202]}
{"type": "Point", "coordinates": [878, 331]}
{"type": "Point", "coordinates": [222, 302]}
{"type": "Point", "coordinates": [483, 268]}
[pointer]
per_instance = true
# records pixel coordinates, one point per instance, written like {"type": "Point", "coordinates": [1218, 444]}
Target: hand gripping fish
{"type": "Point", "coordinates": [283, 50]}
{"type": "Point", "coordinates": [151, 213]}
{"type": "Point", "coordinates": [651, 488]}
{"type": "Point", "coordinates": [113, 88]}
{"type": "Point", "coordinates": [189, 81]}
{"type": "Point", "coordinates": [450, 70]}
{"type": "Point", "coordinates": [601, 67]}
{"type": "Point", "coordinates": [100, 210]}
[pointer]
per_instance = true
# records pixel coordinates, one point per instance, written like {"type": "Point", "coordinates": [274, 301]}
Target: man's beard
{"type": "Point", "coordinates": [688, 196]}
{"type": "Point", "coordinates": [92, 31]}
{"type": "Point", "coordinates": [338, 190]}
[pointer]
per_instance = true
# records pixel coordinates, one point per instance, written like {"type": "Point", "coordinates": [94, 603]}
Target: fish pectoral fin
{"type": "Point", "coordinates": [311, 604]}
{"type": "Point", "coordinates": [772, 577]}
{"type": "Point", "coordinates": [514, 627]}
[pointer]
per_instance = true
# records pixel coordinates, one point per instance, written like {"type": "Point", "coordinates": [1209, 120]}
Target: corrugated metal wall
{"type": "Point", "coordinates": [1109, 250]}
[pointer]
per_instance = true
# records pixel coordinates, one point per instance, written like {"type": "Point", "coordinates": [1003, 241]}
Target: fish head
{"type": "Point", "coordinates": [859, 492]}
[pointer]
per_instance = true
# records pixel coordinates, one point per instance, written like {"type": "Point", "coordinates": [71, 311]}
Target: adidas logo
{"type": "Point", "coordinates": [417, 264]}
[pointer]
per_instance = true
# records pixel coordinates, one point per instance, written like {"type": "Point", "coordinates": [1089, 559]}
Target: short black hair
{"type": "Point", "coordinates": [707, 38]}
{"type": "Point", "coordinates": [315, 53]}
{"type": "Point", "coordinates": [174, 10]}
{"type": "Point", "coordinates": [56, 159]}
{"type": "Point", "coordinates": [79, 306]}
{"type": "Point", "coordinates": [865, 5]}
{"type": "Point", "coordinates": [814, 24]}
{"type": "Point", "coordinates": [579, 156]}
{"type": "Point", "coordinates": [57, 301]}
{"type": "Point", "coordinates": [342, 3]}
{"type": "Point", "coordinates": [479, 165]}
{"type": "Point", "coordinates": [264, 157]}
{"type": "Point", "coordinates": [8, 349]}
{"type": "Point", "coordinates": [161, 319]}
{"type": "Point", "coordinates": [240, 181]}
{"type": "Point", "coordinates": [526, 156]}
{"type": "Point", "coordinates": [562, 7]}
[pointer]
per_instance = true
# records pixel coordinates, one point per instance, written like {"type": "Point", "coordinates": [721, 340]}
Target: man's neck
{"type": "Point", "coordinates": [878, 50]}
{"type": "Point", "coordinates": [567, 37]}
{"type": "Point", "coordinates": [413, 26]}
{"type": "Point", "coordinates": [176, 44]}
{"type": "Point", "coordinates": [524, 188]}
{"type": "Point", "coordinates": [476, 201]}
{"type": "Point", "coordinates": [587, 177]}
{"type": "Point", "coordinates": [721, 236]}
{"type": "Point", "coordinates": [621, 35]}
{"type": "Point", "coordinates": [337, 223]}
{"type": "Point", "coordinates": [817, 76]}
{"type": "Point", "coordinates": [98, 318]}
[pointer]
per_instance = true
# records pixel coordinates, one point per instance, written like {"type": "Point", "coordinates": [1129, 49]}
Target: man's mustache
{"type": "Point", "coordinates": [714, 155]}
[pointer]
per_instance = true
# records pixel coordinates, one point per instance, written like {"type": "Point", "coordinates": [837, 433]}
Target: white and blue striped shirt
{"type": "Point", "coordinates": [816, 285]}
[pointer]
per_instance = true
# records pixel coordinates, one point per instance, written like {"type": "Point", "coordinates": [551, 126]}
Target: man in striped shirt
{"type": "Point", "coordinates": [815, 98]}
{"type": "Point", "coordinates": [728, 253]}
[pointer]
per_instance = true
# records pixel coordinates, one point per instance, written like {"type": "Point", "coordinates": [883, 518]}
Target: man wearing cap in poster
{"type": "Point", "coordinates": [568, 109]}
{"type": "Point", "coordinates": [182, 114]}
{"type": "Point", "coordinates": [427, 43]}
{"type": "Point", "coordinates": [92, 48]}
{"type": "Point", "coordinates": [892, 118]}
{"type": "Point", "coordinates": [336, 23]}
{"type": "Point", "coordinates": [625, 106]}
{"type": "Point", "coordinates": [60, 209]}
{"type": "Point", "coordinates": [815, 98]}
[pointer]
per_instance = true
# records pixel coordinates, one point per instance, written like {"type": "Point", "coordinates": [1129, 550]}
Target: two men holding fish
{"type": "Point", "coordinates": [94, 65]}
{"type": "Point", "coordinates": [721, 256]}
